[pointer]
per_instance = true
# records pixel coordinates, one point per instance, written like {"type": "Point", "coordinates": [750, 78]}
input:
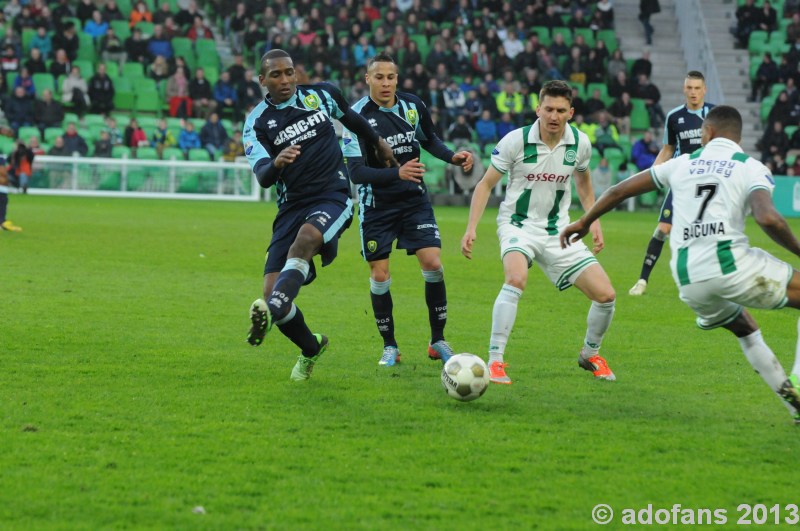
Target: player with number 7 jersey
{"type": "Point", "coordinates": [541, 161]}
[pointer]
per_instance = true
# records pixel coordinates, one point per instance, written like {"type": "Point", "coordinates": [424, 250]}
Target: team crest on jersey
{"type": "Point", "coordinates": [248, 148]}
{"type": "Point", "coordinates": [372, 245]}
{"type": "Point", "coordinates": [667, 212]}
{"type": "Point", "coordinates": [311, 101]}
{"type": "Point", "coordinates": [346, 137]}
{"type": "Point", "coordinates": [412, 117]}
{"type": "Point", "coordinates": [513, 240]}
{"type": "Point", "coordinates": [569, 156]}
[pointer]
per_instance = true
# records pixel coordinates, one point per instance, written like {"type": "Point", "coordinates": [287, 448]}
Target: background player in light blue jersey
{"type": "Point", "coordinates": [394, 204]}
{"type": "Point", "coordinates": [682, 131]}
{"type": "Point", "coordinates": [717, 273]}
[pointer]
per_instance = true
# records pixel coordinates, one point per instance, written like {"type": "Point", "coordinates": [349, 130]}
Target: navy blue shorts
{"type": "Point", "coordinates": [414, 228]}
{"type": "Point", "coordinates": [666, 210]}
{"type": "Point", "coordinates": [331, 217]}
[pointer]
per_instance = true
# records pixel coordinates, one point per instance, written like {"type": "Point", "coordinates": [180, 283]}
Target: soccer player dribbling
{"type": "Point", "coordinates": [717, 273]}
{"type": "Point", "coordinates": [394, 202]}
{"type": "Point", "coordinates": [541, 161]}
{"type": "Point", "coordinates": [682, 132]}
{"type": "Point", "coordinates": [290, 142]}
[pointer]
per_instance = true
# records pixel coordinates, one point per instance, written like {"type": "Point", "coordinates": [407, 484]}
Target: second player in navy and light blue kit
{"type": "Point", "coordinates": [394, 204]}
{"type": "Point", "coordinates": [682, 133]}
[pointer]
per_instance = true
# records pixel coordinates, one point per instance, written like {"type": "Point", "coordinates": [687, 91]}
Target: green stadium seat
{"type": "Point", "coordinates": [146, 27]}
{"type": "Point", "coordinates": [200, 155]}
{"type": "Point", "coordinates": [43, 81]}
{"type": "Point", "coordinates": [147, 101]}
{"type": "Point", "coordinates": [124, 99]}
{"type": "Point", "coordinates": [7, 145]}
{"type": "Point", "coordinates": [94, 119]}
{"type": "Point", "coordinates": [182, 47]}
{"type": "Point", "coordinates": [757, 43]}
{"type": "Point", "coordinates": [121, 28]}
{"type": "Point", "coordinates": [27, 36]}
{"type": "Point", "coordinates": [172, 153]}
{"type": "Point", "coordinates": [125, 7]}
{"type": "Point", "coordinates": [544, 34]}
{"type": "Point", "coordinates": [70, 117]}
{"type": "Point", "coordinates": [640, 118]}
{"type": "Point", "coordinates": [136, 179]}
{"type": "Point", "coordinates": [616, 158]}
{"type": "Point", "coordinates": [110, 181]}
{"type": "Point", "coordinates": [602, 87]}
{"type": "Point", "coordinates": [766, 106]}
{"type": "Point", "coordinates": [147, 153]}
{"type": "Point", "coordinates": [121, 152]}
{"type": "Point", "coordinates": [51, 133]}
{"type": "Point", "coordinates": [422, 44]}
{"type": "Point", "coordinates": [608, 36]}
{"type": "Point", "coordinates": [649, 199]}
{"type": "Point", "coordinates": [24, 133]}
{"type": "Point", "coordinates": [86, 49]}
{"type": "Point", "coordinates": [133, 70]}
{"type": "Point", "coordinates": [205, 48]}
{"type": "Point", "coordinates": [87, 68]}
{"type": "Point", "coordinates": [212, 75]}
{"type": "Point", "coordinates": [566, 32]}
{"type": "Point", "coordinates": [588, 35]}
{"type": "Point", "coordinates": [774, 90]}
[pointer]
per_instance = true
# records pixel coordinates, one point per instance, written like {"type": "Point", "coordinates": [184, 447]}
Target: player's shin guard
{"type": "Point", "coordinates": [764, 361]}
{"type": "Point", "coordinates": [436, 299]}
{"type": "Point", "coordinates": [654, 249]}
{"type": "Point", "coordinates": [382, 309]}
{"type": "Point", "coordinates": [504, 314]}
{"type": "Point", "coordinates": [597, 322]}
{"type": "Point", "coordinates": [287, 287]}
{"type": "Point", "coordinates": [294, 327]}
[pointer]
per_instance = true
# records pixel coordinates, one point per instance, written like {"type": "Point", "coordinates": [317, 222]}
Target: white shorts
{"type": "Point", "coordinates": [562, 266]}
{"type": "Point", "coordinates": [760, 281]}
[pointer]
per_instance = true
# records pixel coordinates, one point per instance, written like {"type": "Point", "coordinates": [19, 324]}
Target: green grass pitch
{"type": "Point", "coordinates": [128, 395]}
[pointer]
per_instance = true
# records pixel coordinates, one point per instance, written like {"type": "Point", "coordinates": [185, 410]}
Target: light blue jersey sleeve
{"type": "Point", "coordinates": [254, 150]}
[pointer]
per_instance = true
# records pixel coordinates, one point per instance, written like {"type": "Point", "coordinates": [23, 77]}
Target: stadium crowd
{"type": "Point", "coordinates": [146, 78]}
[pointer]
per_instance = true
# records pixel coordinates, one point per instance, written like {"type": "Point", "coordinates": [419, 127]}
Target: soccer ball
{"type": "Point", "coordinates": [465, 377]}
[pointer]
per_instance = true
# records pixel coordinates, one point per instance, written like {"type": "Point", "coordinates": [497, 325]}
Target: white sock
{"type": "Point", "coordinates": [764, 361]}
{"type": "Point", "coordinates": [504, 314]}
{"type": "Point", "coordinates": [796, 367]}
{"type": "Point", "coordinates": [597, 322]}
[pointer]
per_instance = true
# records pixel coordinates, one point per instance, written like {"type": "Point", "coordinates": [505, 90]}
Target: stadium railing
{"type": "Point", "coordinates": [125, 177]}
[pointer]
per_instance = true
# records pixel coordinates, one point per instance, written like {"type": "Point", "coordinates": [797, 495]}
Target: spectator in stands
{"type": "Point", "coordinates": [236, 24]}
{"type": "Point", "coordinates": [602, 177]}
{"type": "Point", "coordinates": [12, 9]}
{"type": "Point", "coordinates": [136, 47]}
{"type": "Point", "coordinates": [114, 133]}
{"type": "Point", "coordinates": [767, 17]}
{"type": "Point", "coordinates": [620, 111]}
{"type": "Point", "coordinates": [782, 110]}
{"type": "Point", "coordinates": [642, 65]}
{"type": "Point", "coordinates": [96, 27]}
{"type": "Point", "coordinates": [606, 134]}
{"type": "Point", "coordinates": [605, 20]}
{"type": "Point", "coordinates": [42, 42]}
{"type": "Point", "coordinates": [25, 20]}
{"type": "Point", "coordinates": [47, 111]}
{"type": "Point", "coordinates": [510, 100]}
{"type": "Point", "coordinates": [526, 58]}
{"type": "Point", "coordinates": [101, 91]}
{"type": "Point", "coordinates": [777, 165]}
{"type": "Point", "coordinates": [177, 93]}
{"type": "Point", "coordinates": [249, 93]}
{"type": "Point", "coordinates": [112, 49]}
{"type": "Point", "coordinates": [558, 48]}
{"type": "Point", "coordinates": [766, 76]}
{"type": "Point", "coordinates": [619, 84]}
{"type": "Point", "coordinates": [162, 138]}
{"type": "Point", "coordinates": [575, 67]}
{"type": "Point", "coordinates": [75, 91]}
{"type": "Point", "coordinates": [481, 60]}
{"type": "Point", "coordinates": [19, 110]}
{"type": "Point", "coordinates": [11, 38]}
{"type": "Point", "coordinates": [185, 16]}
{"type": "Point", "coordinates": [199, 30]}
{"type": "Point", "coordinates": [226, 97]}
{"type": "Point", "coordinates": [68, 41]}
{"type": "Point", "coordinates": [134, 136]}
{"type": "Point", "coordinates": [577, 103]}
{"type": "Point", "coordinates": [237, 69]}
{"type": "Point", "coordinates": [473, 108]}
{"type": "Point", "coordinates": [35, 63]}
{"type": "Point", "coordinates": [547, 65]}
{"type": "Point", "coordinates": [213, 135]}
{"type": "Point", "coordinates": [648, 8]}
{"type": "Point", "coordinates": [594, 104]}
{"type": "Point", "coordinates": [505, 125]}
{"type": "Point", "coordinates": [35, 147]}
{"type": "Point", "coordinates": [793, 28]}
{"type": "Point", "coordinates": [159, 44]}
{"type": "Point", "coordinates": [202, 95]}
{"type": "Point", "coordinates": [140, 13]}
{"type": "Point", "coordinates": [9, 62]}
{"type": "Point", "coordinates": [158, 69]}
{"type": "Point", "coordinates": [103, 146]}
{"type": "Point", "coordinates": [74, 142]}
{"type": "Point", "coordinates": [454, 101]}
{"type": "Point", "coordinates": [112, 12]}
{"type": "Point", "coordinates": [25, 80]}
{"type": "Point", "coordinates": [747, 20]}
{"type": "Point", "coordinates": [647, 91]}
{"type": "Point", "coordinates": [84, 10]}
{"type": "Point", "coordinates": [594, 68]}
{"type": "Point", "coordinates": [645, 151]}
{"type": "Point", "coordinates": [163, 13]}
{"type": "Point", "coordinates": [188, 138]}
{"type": "Point", "coordinates": [362, 51]}
{"type": "Point", "coordinates": [20, 167]}
{"type": "Point", "coordinates": [773, 141]}
{"type": "Point", "coordinates": [460, 131]}
{"type": "Point", "coordinates": [233, 147]}
{"type": "Point", "coordinates": [486, 129]}
{"type": "Point", "coordinates": [59, 150]}
{"type": "Point", "coordinates": [61, 65]}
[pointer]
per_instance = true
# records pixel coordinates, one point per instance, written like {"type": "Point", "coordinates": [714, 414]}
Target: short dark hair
{"type": "Point", "coordinates": [556, 88]}
{"type": "Point", "coordinates": [275, 53]}
{"type": "Point", "coordinates": [695, 74]}
{"type": "Point", "coordinates": [381, 57]}
{"type": "Point", "coordinates": [725, 119]}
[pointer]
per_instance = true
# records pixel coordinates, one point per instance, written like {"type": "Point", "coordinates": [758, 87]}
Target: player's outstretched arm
{"type": "Point", "coordinates": [479, 199]}
{"type": "Point", "coordinates": [359, 125]}
{"type": "Point", "coordinates": [639, 184]}
{"type": "Point", "coordinates": [463, 159]}
{"type": "Point", "coordinates": [772, 222]}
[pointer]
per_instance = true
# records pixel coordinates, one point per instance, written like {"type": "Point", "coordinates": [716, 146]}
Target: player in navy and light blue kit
{"type": "Point", "coordinates": [682, 133]}
{"type": "Point", "coordinates": [290, 142]}
{"type": "Point", "coordinates": [394, 203]}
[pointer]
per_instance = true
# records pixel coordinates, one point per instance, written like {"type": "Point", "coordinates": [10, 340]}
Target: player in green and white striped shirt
{"type": "Point", "coordinates": [717, 272]}
{"type": "Point", "coordinates": [541, 161]}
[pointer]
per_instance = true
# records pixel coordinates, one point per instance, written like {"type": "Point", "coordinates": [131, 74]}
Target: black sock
{"type": "Point", "coordinates": [3, 206]}
{"type": "Point", "coordinates": [382, 308]}
{"type": "Point", "coordinates": [653, 252]}
{"type": "Point", "coordinates": [284, 292]}
{"type": "Point", "coordinates": [298, 333]}
{"type": "Point", "coordinates": [436, 299]}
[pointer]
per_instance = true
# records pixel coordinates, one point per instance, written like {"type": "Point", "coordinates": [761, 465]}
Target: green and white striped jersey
{"type": "Point", "coordinates": [710, 188]}
{"type": "Point", "coordinates": [539, 189]}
